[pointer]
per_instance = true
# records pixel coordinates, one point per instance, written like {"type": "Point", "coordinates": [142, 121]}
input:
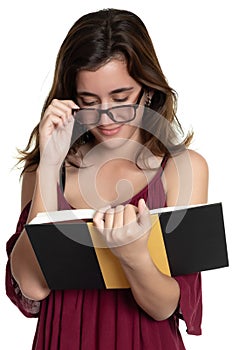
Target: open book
{"type": "Point", "coordinates": [88, 214]}
{"type": "Point", "coordinates": [72, 255]}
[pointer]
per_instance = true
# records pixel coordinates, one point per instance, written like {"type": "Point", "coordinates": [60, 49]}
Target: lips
{"type": "Point", "coordinates": [109, 131]}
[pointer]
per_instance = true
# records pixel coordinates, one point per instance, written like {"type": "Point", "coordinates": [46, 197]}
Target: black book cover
{"type": "Point", "coordinates": [198, 242]}
{"type": "Point", "coordinates": [66, 262]}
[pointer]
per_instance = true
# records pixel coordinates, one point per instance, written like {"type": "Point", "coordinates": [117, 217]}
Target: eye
{"type": "Point", "coordinates": [120, 100]}
{"type": "Point", "coordinates": [120, 97]}
{"type": "Point", "coordinates": [88, 102]}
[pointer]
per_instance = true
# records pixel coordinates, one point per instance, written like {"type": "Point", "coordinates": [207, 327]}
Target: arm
{"type": "Point", "coordinates": [40, 186]}
{"type": "Point", "coordinates": [155, 292]}
{"type": "Point", "coordinates": [24, 265]}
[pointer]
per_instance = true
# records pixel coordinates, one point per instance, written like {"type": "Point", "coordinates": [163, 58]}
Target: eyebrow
{"type": "Point", "coordinates": [116, 91]}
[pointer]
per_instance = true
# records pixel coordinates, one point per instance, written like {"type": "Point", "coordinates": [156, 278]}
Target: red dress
{"type": "Point", "coordinates": [107, 319]}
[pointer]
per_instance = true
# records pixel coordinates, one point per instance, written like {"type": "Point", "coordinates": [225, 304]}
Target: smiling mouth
{"type": "Point", "coordinates": [109, 131]}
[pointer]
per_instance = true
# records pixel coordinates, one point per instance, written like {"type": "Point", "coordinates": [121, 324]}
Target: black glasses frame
{"type": "Point", "coordinates": [108, 111]}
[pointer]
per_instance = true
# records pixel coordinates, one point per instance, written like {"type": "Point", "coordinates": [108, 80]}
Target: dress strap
{"type": "Point", "coordinates": [63, 177]}
{"type": "Point", "coordinates": [164, 161]}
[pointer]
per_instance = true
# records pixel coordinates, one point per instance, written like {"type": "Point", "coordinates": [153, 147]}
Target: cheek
{"type": "Point", "coordinates": [139, 115]}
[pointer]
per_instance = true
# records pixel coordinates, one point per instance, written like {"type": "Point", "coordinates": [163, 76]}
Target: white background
{"type": "Point", "coordinates": [193, 40]}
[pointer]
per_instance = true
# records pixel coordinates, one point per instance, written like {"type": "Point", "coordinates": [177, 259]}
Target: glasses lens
{"type": "Point", "coordinates": [118, 114]}
{"type": "Point", "coordinates": [87, 116]}
{"type": "Point", "coordinates": [123, 114]}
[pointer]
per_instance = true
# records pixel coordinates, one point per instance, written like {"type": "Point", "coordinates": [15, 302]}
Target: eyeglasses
{"type": "Point", "coordinates": [118, 114]}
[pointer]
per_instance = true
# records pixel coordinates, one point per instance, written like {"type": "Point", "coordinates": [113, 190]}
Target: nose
{"type": "Point", "coordinates": [105, 119]}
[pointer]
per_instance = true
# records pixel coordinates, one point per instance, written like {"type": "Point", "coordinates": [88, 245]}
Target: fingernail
{"type": "Point", "coordinates": [143, 202]}
{"type": "Point", "coordinates": [74, 110]}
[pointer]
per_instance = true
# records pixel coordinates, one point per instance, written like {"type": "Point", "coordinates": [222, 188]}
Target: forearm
{"type": "Point", "coordinates": [45, 192]}
{"type": "Point", "coordinates": [157, 294]}
{"type": "Point", "coordinates": [24, 265]}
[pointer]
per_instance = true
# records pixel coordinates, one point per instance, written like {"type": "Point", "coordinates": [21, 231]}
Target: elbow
{"type": "Point", "coordinates": [31, 283]}
{"type": "Point", "coordinates": [160, 318]}
{"type": "Point", "coordinates": [162, 315]}
{"type": "Point", "coordinates": [30, 287]}
{"type": "Point", "coordinates": [33, 291]}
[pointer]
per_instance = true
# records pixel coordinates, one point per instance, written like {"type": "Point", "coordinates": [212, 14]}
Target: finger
{"type": "Point", "coordinates": [130, 214]}
{"type": "Point", "coordinates": [64, 109]}
{"type": "Point", "coordinates": [118, 220]}
{"type": "Point", "coordinates": [98, 220]}
{"type": "Point", "coordinates": [144, 218]}
{"type": "Point", "coordinates": [71, 104]}
{"type": "Point", "coordinates": [142, 207]}
{"type": "Point", "coordinates": [99, 217]}
{"type": "Point", "coordinates": [64, 114]}
{"type": "Point", "coordinates": [67, 105]}
{"type": "Point", "coordinates": [132, 229]}
{"type": "Point", "coordinates": [54, 110]}
{"type": "Point", "coordinates": [109, 218]}
{"type": "Point", "coordinates": [50, 123]}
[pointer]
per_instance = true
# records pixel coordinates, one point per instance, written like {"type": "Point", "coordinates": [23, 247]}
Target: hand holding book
{"type": "Point", "coordinates": [123, 226]}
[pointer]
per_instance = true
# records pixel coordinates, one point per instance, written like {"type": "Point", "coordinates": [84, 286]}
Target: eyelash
{"type": "Point", "coordinates": [117, 100]}
{"type": "Point", "coordinates": [89, 103]}
{"type": "Point", "coordinates": [121, 99]}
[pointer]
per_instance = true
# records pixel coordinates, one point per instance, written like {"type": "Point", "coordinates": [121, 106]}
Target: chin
{"type": "Point", "coordinates": [112, 143]}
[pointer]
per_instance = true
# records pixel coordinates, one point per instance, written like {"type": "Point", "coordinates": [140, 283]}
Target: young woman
{"type": "Point", "coordinates": [108, 139]}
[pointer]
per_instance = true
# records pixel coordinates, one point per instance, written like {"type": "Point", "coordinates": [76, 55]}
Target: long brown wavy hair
{"type": "Point", "coordinates": [92, 41]}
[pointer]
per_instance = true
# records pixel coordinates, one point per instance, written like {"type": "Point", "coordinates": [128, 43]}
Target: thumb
{"type": "Point", "coordinates": [142, 207]}
{"type": "Point", "coordinates": [143, 214]}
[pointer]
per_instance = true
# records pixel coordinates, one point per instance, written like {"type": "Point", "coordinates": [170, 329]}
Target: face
{"type": "Point", "coordinates": [110, 85]}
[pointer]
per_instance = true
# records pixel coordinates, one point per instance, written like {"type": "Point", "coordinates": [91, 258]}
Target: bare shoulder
{"type": "Point", "coordinates": [189, 158]}
{"type": "Point", "coordinates": [186, 178]}
{"type": "Point", "coordinates": [28, 185]}
{"type": "Point", "coordinates": [198, 162]}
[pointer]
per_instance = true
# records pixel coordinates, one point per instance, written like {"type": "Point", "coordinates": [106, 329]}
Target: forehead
{"type": "Point", "coordinates": [109, 77]}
